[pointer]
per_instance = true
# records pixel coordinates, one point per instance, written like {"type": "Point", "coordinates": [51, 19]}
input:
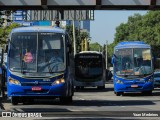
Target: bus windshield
{"type": "Point", "coordinates": [88, 66]}
{"type": "Point", "coordinates": [133, 61]}
{"type": "Point", "coordinates": [36, 52]}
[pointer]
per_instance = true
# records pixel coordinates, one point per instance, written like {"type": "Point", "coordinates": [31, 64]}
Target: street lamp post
{"type": "Point", "coordinates": [106, 55]}
{"type": "Point", "coordinates": [74, 38]}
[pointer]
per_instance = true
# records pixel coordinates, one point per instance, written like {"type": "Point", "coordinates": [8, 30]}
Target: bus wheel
{"type": "Point", "coordinates": [119, 93]}
{"type": "Point", "coordinates": [27, 101]}
{"type": "Point", "coordinates": [77, 87]}
{"type": "Point", "coordinates": [149, 93]}
{"type": "Point", "coordinates": [82, 87]}
{"type": "Point", "coordinates": [14, 100]}
{"type": "Point", "coordinates": [101, 87]}
{"type": "Point", "coordinates": [66, 100]}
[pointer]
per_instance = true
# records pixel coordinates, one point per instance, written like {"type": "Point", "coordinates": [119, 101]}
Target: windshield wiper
{"type": "Point", "coordinates": [141, 69]}
{"type": "Point", "coordinates": [21, 61]}
{"type": "Point", "coordinates": [48, 65]}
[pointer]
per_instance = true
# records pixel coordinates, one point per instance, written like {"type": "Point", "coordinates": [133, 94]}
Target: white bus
{"type": "Point", "coordinates": [89, 70]}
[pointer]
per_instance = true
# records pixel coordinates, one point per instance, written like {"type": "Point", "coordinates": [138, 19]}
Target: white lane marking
{"type": "Point", "coordinates": [80, 98]}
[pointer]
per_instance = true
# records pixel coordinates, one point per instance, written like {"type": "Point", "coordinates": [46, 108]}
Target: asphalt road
{"type": "Point", "coordinates": [90, 103]}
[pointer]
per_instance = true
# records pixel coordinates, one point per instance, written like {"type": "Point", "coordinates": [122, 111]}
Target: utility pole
{"type": "Point", "coordinates": [74, 38]}
{"type": "Point", "coordinates": [106, 55]}
{"type": "Point", "coordinates": [99, 48]}
{"type": "Point", "coordinates": [79, 38]}
{"type": "Point", "coordinates": [86, 44]}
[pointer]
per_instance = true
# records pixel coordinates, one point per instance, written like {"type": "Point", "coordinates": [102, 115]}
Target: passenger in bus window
{"type": "Point", "coordinates": [126, 63]}
{"type": "Point", "coordinates": [56, 58]}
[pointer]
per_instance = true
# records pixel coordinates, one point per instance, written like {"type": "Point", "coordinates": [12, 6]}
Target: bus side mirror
{"type": "Point", "coordinates": [69, 48]}
{"type": "Point", "coordinates": [113, 57]}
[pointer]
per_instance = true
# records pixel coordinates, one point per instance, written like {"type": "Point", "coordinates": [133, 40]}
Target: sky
{"type": "Point", "coordinates": [105, 22]}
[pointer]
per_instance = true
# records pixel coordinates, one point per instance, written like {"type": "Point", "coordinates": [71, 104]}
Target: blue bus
{"type": "Point", "coordinates": [39, 65]}
{"type": "Point", "coordinates": [90, 70]}
{"type": "Point", "coordinates": [133, 68]}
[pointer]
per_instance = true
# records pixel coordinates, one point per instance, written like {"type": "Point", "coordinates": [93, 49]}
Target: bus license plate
{"type": "Point", "coordinates": [134, 86]}
{"type": "Point", "coordinates": [36, 88]}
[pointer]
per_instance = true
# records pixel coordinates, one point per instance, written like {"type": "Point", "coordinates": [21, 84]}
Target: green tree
{"type": "Point", "coordinates": [140, 28]}
{"type": "Point", "coordinates": [79, 36]}
{"type": "Point", "coordinates": [4, 32]}
{"type": "Point", "coordinates": [95, 46]}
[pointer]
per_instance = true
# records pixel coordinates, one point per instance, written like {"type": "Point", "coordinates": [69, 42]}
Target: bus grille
{"type": "Point", "coordinates": [32, 92]}
{"type": "Point", "coordinates": [33, 83]}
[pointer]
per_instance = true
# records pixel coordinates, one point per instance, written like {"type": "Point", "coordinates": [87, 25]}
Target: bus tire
{"type": "Point", "coordinates": [66, 100]}
{"type": "Point", "coordinates": [82, 87]}
{"type": "Point", "coordinates": [101, 87]}
{"type": "Point", "coordinates": [27, 101]}
{"type": "Point", "coordinates": [148, 93]}
{"type": "Point", "coordinates": [14, 100]}
{"type": "Point", "coordinates": [77, 88]}
{"type": "Point", "coordinates": [119, 93]}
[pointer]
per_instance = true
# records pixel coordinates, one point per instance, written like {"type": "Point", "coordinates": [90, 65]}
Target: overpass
{"type": "Point", "coordinates": [80, 4]}
{"type": "Point", "coordinates": [73, 9]}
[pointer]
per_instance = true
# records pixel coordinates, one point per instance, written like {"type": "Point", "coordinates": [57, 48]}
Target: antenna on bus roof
{"type": "Point", "coordinates": [57, 23]}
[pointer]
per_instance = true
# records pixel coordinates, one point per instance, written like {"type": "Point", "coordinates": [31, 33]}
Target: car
{"type": "Point", "coordinates": [157, 79]}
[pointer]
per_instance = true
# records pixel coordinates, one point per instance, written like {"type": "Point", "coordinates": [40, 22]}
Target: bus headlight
{"type": "Point", "coordinates": [59, 81]}
{"type": "Point", "coordinates": [119, 81]}
{"type": "Point", "coordinates": [149, 80]}
{"type": "Point", "coordinates": [13, 81]}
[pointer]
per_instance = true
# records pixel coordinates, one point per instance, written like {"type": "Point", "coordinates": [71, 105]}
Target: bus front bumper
{"type": "Point", "coordinates": [89, 84]}
{"type": "Point", "coordinates": [55, 90]}
{"type": "Point", "coordinates": [134, 87]}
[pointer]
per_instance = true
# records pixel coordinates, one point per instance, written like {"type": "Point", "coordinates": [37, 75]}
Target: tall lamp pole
{"type": "Point", "coordinates": [106, 55]}
{"type": "Point", "coordinates": [74, 38]}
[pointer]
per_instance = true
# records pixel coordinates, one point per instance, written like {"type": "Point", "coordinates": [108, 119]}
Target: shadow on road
{"type": "Point", "coordinates": [94, 89]}
{"type": "Point", "coordinates": [112, 103]}
{"type": "Point", "coordinates": [98, 103]}
{"type": "Point", "coordinates": [94, 103]}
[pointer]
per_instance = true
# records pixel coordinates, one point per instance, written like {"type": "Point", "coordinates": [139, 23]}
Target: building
{"type": "Point", "coordinates": [83, 24]}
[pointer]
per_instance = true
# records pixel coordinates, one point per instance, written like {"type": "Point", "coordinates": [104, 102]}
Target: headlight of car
{"type": "Point", "coordinates": [59, 81]}
{"type": "Point", "coordinates": [119, 81]}
{"type": "Point", "coordinates": [150, 80]}
{"type": "Point", "coordinates": [13, 81]}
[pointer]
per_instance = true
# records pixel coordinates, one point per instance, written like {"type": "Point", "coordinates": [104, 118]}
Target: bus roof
{"type": "Point", "coordinates": [90, 52]}
{"type": "Point", "coordinates": [132, 44]}
{"type": "Point", "coordinates": [38, 29]}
